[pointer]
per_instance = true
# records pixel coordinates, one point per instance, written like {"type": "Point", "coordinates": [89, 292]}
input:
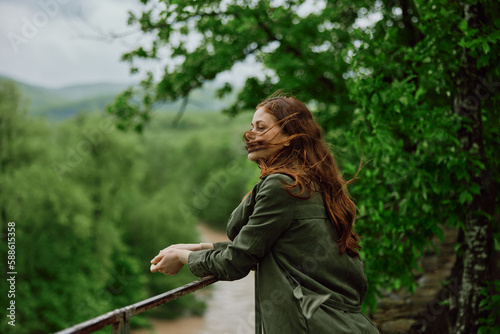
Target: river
{"type": "Point", "coordinates": [230, 305]}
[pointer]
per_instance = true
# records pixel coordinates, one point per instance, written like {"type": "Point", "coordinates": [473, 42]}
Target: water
{"type": "Point", "coordinates": [230, 305]}
{"type": "Point", "coordinates": [230, 308]}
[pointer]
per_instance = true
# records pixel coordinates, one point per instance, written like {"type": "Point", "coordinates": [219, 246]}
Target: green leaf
{"type": "Point", "coordinates": [397, 284]}
{"type": "Point", "coordinates": [419, 93]}
{"type": "Point", "coordinates": [465, 196]}
{"type": "Point", "coordinates": [486, 47]}
{"type": "Point", "coordinates": [403, 100]}
{"type": "Point", "coordinates": [426, 208]}
{"type": "Point", "coordinates": [475, 189]}
{"type": "Point", "coordinates": [463, 25]}
{"type": "Point", "coordinates": [439, 233]}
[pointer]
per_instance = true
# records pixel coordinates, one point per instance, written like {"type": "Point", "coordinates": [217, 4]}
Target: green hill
{"type": "Point", "coordinates": [62, 103]}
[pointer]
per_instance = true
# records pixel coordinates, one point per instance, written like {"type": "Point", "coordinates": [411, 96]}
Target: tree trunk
{"type": "Point", "coordinates": [477, 232]}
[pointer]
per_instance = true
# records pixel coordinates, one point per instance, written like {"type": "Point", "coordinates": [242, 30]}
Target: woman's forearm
{"type": "Point", "coordinates": [184, 253]}
{"type": "Point", "coordinates": [207, 245]}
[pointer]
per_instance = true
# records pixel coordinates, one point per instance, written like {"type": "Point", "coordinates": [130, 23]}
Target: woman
{"type": "Point", "coordinates": [295, 228]}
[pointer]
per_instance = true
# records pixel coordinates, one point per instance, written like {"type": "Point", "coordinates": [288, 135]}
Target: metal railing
{"type": "Point", "coordinates": [120, 318]}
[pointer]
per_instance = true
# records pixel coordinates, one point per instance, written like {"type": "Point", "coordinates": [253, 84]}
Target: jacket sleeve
{"type": "Point", "coordinates": [221, 245]}
{"type": "Point", "coordinates": [272, 215]}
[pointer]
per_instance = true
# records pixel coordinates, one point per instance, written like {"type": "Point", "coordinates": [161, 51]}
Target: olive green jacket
{"type": "Point", "coordinates": [302, 283]}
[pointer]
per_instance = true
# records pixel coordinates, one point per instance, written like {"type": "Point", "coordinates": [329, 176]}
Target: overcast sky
{"type": "Point", "coordinates": [49, 43]}
{"type": "Point", "coordinates": [55, 43]}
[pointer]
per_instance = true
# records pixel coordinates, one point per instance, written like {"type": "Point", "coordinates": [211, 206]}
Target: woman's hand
{"type": "Point", "coordinates": [167, 261]}
{"type": "Point", "coordinates": [171, 259]}
{"type": "Point", "coordinates": [189, 247]}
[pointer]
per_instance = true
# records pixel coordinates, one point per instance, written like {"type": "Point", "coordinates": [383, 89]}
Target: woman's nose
{"type": "Point", "coordinates": [250, 135]}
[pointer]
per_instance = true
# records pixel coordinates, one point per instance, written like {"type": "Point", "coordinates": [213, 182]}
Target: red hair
{"type": "Point", "coordinates": [306, 158]}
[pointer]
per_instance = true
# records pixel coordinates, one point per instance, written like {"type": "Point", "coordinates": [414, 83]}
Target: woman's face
{"type": "Point", "coordinates": [263, 131]}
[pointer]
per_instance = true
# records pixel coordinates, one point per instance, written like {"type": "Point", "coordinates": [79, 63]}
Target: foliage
{"type": "Point", "coordinates": [301, 52]}
{"type": "Point", "coordinates": [491, 304]}
{"type": "Point", "coordinates": [93, 205]}
{"type": "Point", "coordinates": [381, 78]}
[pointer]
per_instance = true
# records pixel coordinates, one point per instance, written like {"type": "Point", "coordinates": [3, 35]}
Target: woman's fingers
{"type": "Point", "coordinates": [157, 258]}
{"type": "Point", "coordinates": [175, 246]}
{"type": "Point", "coordinates": [167, 263]}
{"type": "Point", "coordinates": [190, 247]}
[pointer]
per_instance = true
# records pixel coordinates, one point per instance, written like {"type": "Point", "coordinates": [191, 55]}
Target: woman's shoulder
{"type": "Point", "coordinates": [273, 190]}
{"type": "Point", "coordinates": [278, 177]}
{"type": "Point", "coordinates": [277, 181]}
{"type": "Point", "coordinates": [287, 182]}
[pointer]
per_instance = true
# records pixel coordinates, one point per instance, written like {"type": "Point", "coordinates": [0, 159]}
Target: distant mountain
{"type": "Point", "coordinates": [82, 92]}
{"type": "Point", "coordinates": [62, 103]}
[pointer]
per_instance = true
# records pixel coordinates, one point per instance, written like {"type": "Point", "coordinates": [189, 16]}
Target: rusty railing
{"type": "Point", "coordinates": [120, 318]}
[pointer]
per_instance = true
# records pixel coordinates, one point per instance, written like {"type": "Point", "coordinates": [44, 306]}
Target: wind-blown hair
{"type": "Point", "coordinates": [306, 157]}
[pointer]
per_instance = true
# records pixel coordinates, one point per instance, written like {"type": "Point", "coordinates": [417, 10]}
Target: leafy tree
{"type": "Point", "coordinates": [89, 209]}
{"type": "Point", "coordinates": [417, 79]}
{"type": "Point", "coordinates": [434, 102]}
{"type": "Point", "coordinates": [71, 263]}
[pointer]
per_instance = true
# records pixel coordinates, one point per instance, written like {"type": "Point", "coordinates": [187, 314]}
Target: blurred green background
{"type": "Point", "coordinates": [93, 205]}
{"type": "Point", "coordinates": [98, 178]}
